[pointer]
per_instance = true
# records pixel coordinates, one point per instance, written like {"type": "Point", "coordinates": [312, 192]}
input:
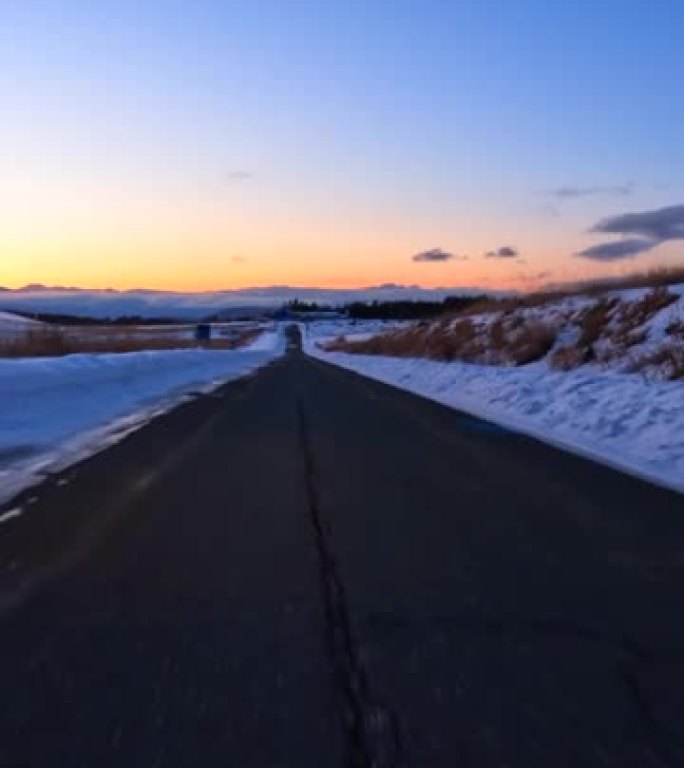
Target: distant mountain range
{"type": "Point", "coordinates": [149, 303]}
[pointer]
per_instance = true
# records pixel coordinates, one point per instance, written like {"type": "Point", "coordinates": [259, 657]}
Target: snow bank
{"type": "Point", "coordinates": [54, 411]}
{"type": "Point", "coordinates": [327, 329]}
{"type": "Point", "coordinates": [266, 341]}
{"type": "Point", "coordinates": [624, 331]}
{"type": "Point", "coordinates": [624, 421]}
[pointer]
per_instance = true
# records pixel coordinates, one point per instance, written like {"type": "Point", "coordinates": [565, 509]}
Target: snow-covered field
{"type": "Point", "coordinates": [22, 337]}
{"type": "Point", "coordinates": [12, 325]}
{"type": "Point", "coordinates": [55, 411]}
{"type": "Point", "coordinates": [625, 420]}
{"type": "Point", "coordinates": [356, 329]}
{"type": "Point", "coordinates": [142, 333]}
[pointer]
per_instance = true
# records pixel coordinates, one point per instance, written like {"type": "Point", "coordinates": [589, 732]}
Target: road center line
{"type": "Point", "coordinates": [369, 727]}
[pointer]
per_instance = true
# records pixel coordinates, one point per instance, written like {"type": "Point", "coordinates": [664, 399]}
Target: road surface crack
{"type": "Point", "coordinates": [370, 728]}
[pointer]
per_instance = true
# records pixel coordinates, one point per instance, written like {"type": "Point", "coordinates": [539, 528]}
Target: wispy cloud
{"type": "Point", "coordinates": [505, 252]}
{"type": "Point", "coordinates": [231, 177]}
{"type": "Point", "coordinates": [641, 232]}
{"type": "Point", "coordinates": [436, 255]}
{"type": "Point", "coordinates": [573, 192]}
{"type": "Point", "coordinates": [661, 224]}
{"type": "Point", "coordinates": [239, 259]}
{"type": "Point", "coordinates": [618, 249]}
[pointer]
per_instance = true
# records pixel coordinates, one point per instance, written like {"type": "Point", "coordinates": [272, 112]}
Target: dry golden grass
{"type": "Point", "coordinates": [533, 342]}
{"type": "Point", "coordinates": [510, 304]}
{"type": "Point", "coordinates": [593, 321]}
{"type": "Point", "coordinates": [676, 329]}
{"type": "Point", "coordinates": [504, 342]}
{"type": "Point", "coordinates": [53, 341]}
{"type": "Point", "coordinates": [610, 327]}
{"type": "Point", "coordinates": [628, 328]}
{"type": "Point", "coordinates": [608, 330]}
{"type": "Point", "coordinates": [668, 360]}
{"type": "Point", "coordinates": [568, 358]}
{"type": "Point", "coordinates": [656, 278]}
{"type": "Point", "coordinates": [634, 314]}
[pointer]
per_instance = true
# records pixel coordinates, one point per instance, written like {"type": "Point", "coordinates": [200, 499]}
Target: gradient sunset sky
{"type": "Point", "coordinates": [199, 145]}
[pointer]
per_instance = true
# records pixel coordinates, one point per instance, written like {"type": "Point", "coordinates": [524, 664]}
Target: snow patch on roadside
{"type": "Point", "coordinates": [620, 420]}
{"type": "Point", "coordinates": [56, 411]}
{"type": "Point", "coordinates": [266, 341]}
{"type": "Point", "coordinates": [10, 515]}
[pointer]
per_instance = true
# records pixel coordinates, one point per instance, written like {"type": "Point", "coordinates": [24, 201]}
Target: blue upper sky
{"type": "Point", "coordinates": [208, 144]}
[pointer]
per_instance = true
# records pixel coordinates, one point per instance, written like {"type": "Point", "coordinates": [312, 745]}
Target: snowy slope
{"type": "Point", "coordinates": [626, 421]}
{"type": "Point", "coordinates": [9, 318]}
{"type": "Point", "coordinates": [326, 329]}
{"type": "Point", "coordinates": [57, 410]}
{"type": "Point", "coordinates": [637, 330]}
{"type": "Point", "coordinates": [12, 325]}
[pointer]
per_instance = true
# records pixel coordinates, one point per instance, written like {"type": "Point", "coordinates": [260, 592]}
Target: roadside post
{"type": "Point", "coordinates": [203, 333]}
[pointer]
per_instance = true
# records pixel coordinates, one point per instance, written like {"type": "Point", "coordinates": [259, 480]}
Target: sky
{"type": "Point", "coordinates": [220, 144]}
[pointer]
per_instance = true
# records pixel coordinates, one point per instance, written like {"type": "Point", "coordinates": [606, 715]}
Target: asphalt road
{"type": "Point", "coordinates": [312, 570]}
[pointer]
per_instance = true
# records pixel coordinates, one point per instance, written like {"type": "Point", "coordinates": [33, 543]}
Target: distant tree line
{"type": "Point", "coordinates": [62, 319]}
{"type": "Point", "coordinates": [307, 306]}
{"type": "Point", "coordinates": [409, 310]}
{"type": "Point", "coordinates": [390, 310]}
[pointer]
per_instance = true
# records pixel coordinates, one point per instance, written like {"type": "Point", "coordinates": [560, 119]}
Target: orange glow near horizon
{"type": "Point", "coordinates": [203, 250]}
{"type": "Point", "coordinates": [187, 272]}
{"type": "Point", "coordinates": [71, 231]}
{"type": "Point", "coordinates": [210, 272]}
